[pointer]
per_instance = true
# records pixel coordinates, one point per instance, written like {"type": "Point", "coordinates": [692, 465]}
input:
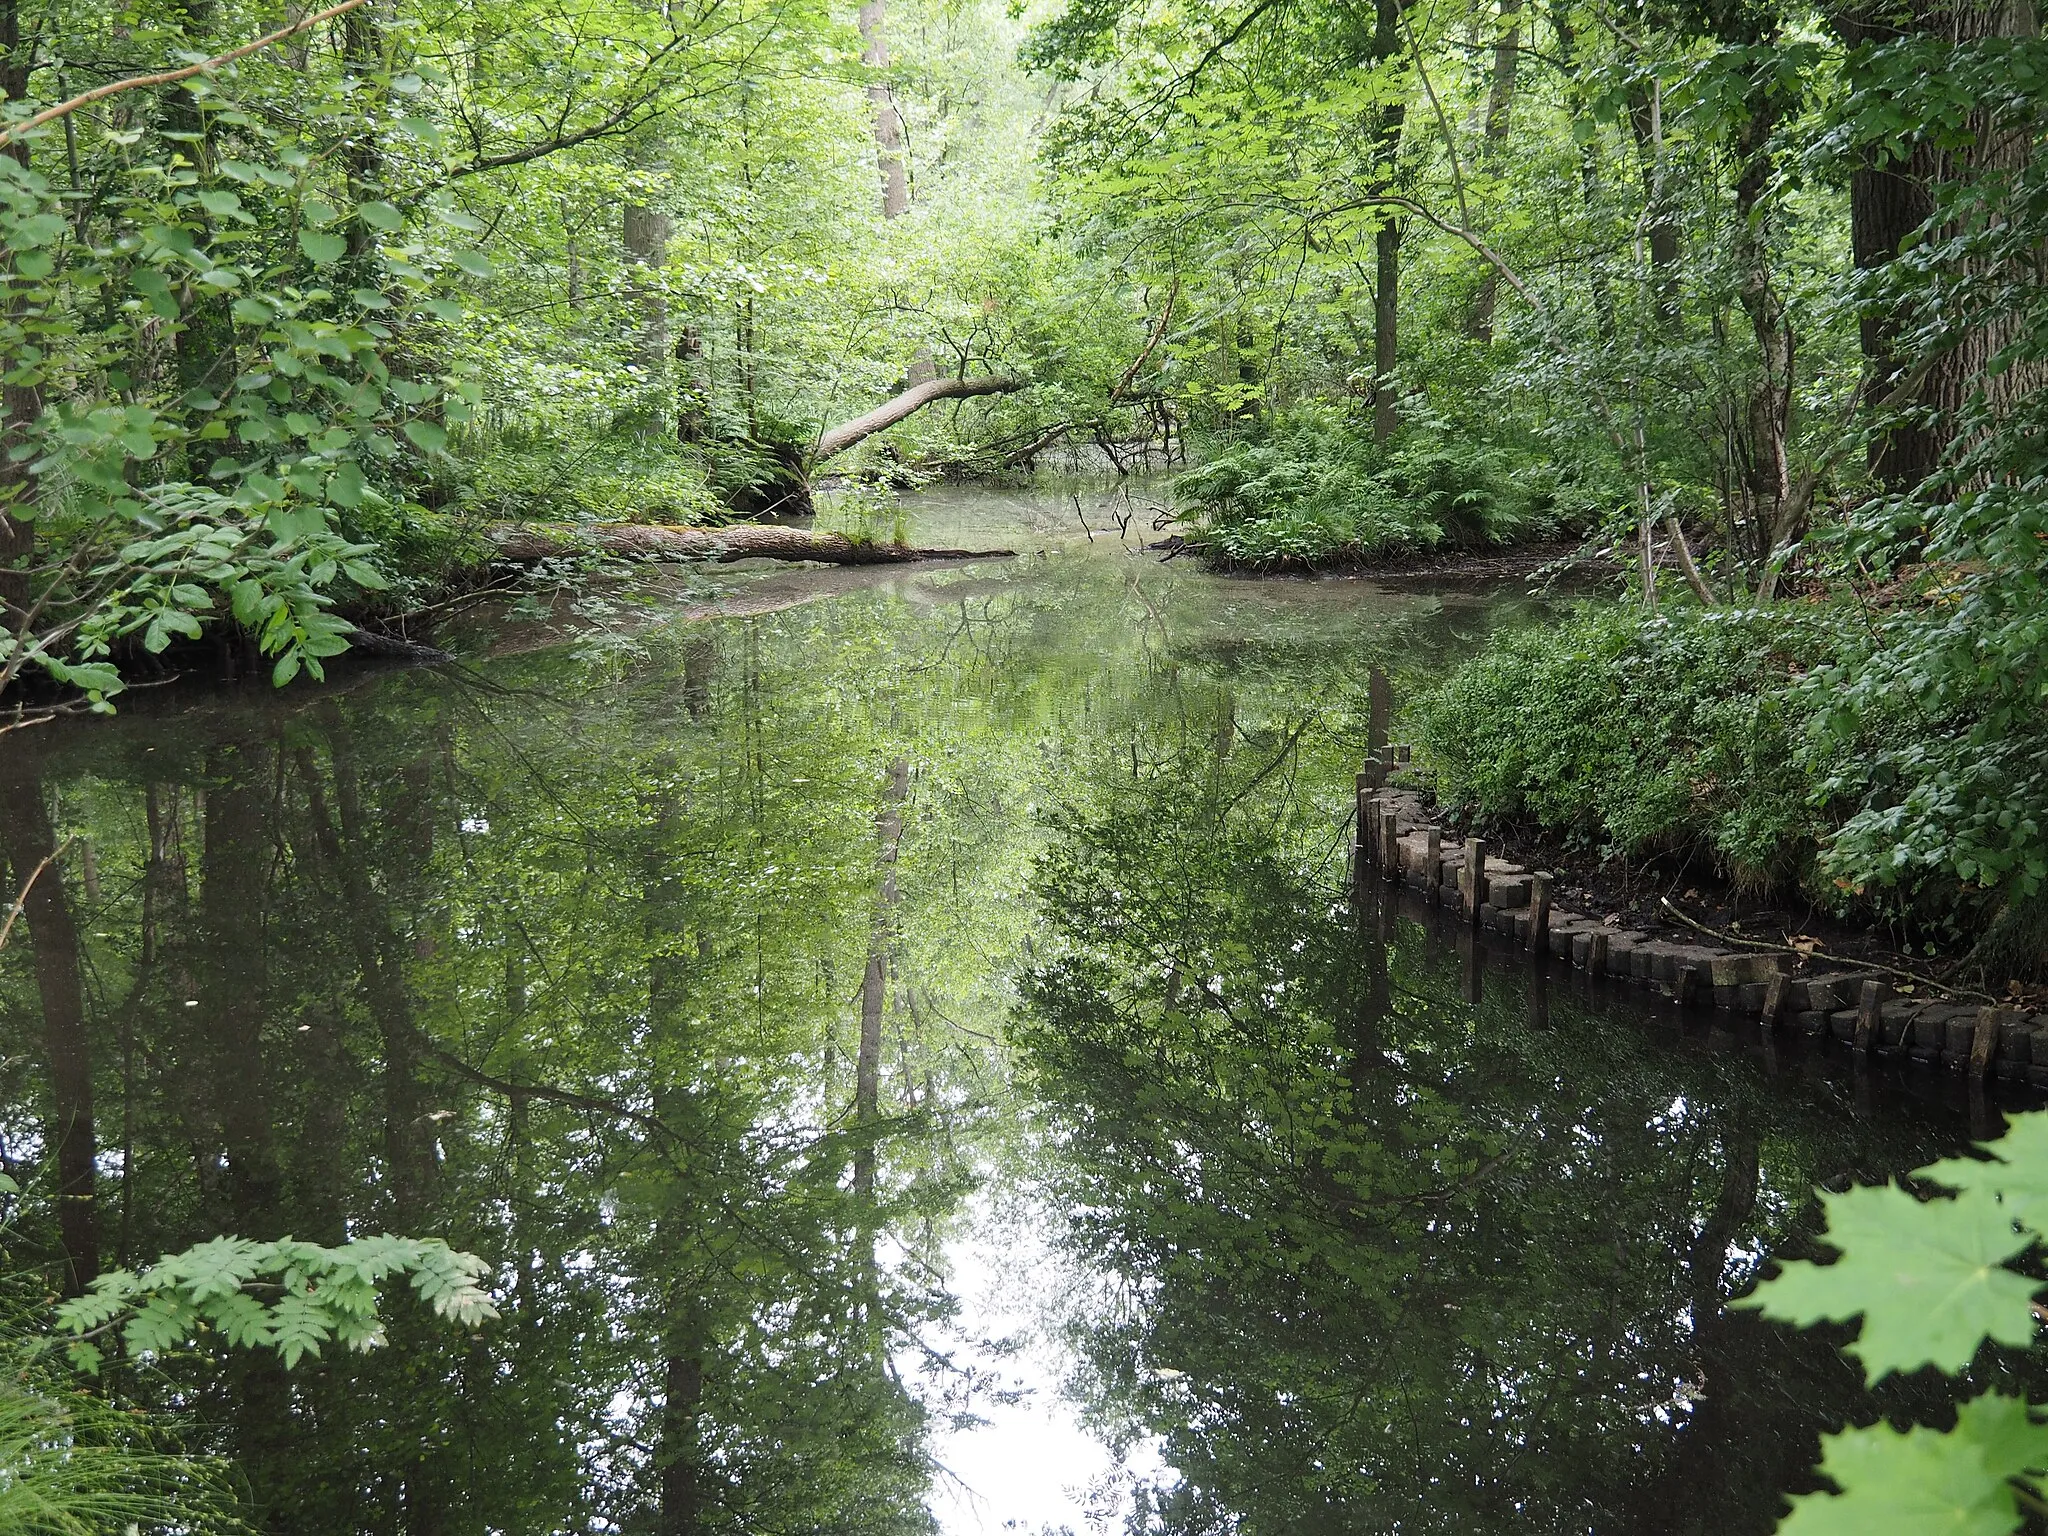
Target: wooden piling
{"type": "Point", "coordinates": [1474, 878]}
{"type": "Point", "coordinates": [1390, 843]}
{"type": "Point", "coordinates": [1984, 1043]}
{"type": "Point", "coordinates": [1432, 859]}
{"type": "Point", "coordinates": [1869, 1013]}
{"type": "Point", "coordinates": [1379, 693]}
{"type": "Point", "coordinates": [1596, 955]}
{"type": "Point", "coordinates": [1775, 992]}
{"type": "Point", "coordinates": [1539, 912]}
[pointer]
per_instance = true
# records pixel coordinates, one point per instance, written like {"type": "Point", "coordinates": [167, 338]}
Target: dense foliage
{"type": "Point", "coordinates": [1305, 490]}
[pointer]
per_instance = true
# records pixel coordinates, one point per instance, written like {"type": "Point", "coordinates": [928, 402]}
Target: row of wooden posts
{"type": "Point", "coordinates": [1525, 912]}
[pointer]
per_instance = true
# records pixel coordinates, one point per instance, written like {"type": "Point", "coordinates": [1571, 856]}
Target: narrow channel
{"type": "Point", "coordinates": [912, 1054]}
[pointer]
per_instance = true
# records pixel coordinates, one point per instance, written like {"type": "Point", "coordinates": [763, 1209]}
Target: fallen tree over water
{"type": "Point", "coordinates": [527, 543]}
{"type": "Point", "coordinates": [911, 401]}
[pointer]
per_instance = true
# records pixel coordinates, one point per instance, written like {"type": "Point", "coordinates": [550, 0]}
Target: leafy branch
{"type": "Point", "coordinates": [286, 1295]}
{"type": "Point", "coordinates": [1932, 1280]}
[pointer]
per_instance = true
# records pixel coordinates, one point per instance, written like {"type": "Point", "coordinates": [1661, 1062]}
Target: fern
{"type": "Point", "coordinates": [287, 1295]}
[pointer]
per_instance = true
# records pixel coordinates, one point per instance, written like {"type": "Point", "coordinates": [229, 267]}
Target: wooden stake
{"type": "Point", "coordinates": [1390, 843]}
{"type": "Point", "coordinates": [1596, 955]}
{"type": "Point", "coordinates": [1474, 887]}
{"type": "Point", "coordinates": [1774, 1001]}
{"type": "Point", "coordinates": [1869, 1013]}
{"type": "Point", "coordinates": [1984, 1044]}
{"type": "Point", "coordinates": [1539, 911]}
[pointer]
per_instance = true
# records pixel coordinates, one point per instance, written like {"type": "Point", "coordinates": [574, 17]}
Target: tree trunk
{"type": "Point", "coordinates": [1767, 473]}
{"type": "Point", "coordinates": [235, 853]}
{"type": "Point", "coordinates": [20, 404]}
{"type": "Point", "coordinates": [646, 234]}
{"type": "Point", "coordinates": [1591, 191]}
{"type": "Point", "coordinates": [912, 400]}
{"type": "Point", "coordinates": [29, 840]}
{"type": "Point", "coordinates": [867, 1077]}
{"type": "Point", "coordinates": [1646, 120]}
{"type": "Point", "coordinates": [1891, 198]}
{"type": "Point", "coordinates": [693, 387]}
{"type": "Point", "coordinates": [524, 543]}
{"type": "Point", "coordinates": [1500, 98]}
{"type": "Point", "coordinates": [888, 121]}
{"type": "Point", "coordinates": [1386, 306]}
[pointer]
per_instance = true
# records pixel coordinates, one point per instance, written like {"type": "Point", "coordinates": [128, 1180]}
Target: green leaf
{"type": "Point", "coordinates": [322, 250]}
{"type": "Point", "coordinates": [216, 1268]}
{"type": "Point", "coordinates": [243, 1321]}
{"type": "Point", "coordinates": [474, 263]}
{"type": "Point", "coordinates": [251, 311]}
{"type": "Point", "coordinates": [426, 436]}
{"type": "Point", "coordinates": [1924, 1482]}
{"type": "Point", "coordinates": [380, 215]}
{"type": "Point", "coordinates": [299, 1325]}
{"type": "Point", "coordinates": [223, 204]}
{"type": "Point", "coordinates": [2016, 1175]}
{"type": "Point", "coordinates": [1927, 1278]}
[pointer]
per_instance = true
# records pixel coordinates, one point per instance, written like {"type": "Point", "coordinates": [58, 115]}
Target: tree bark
{"type": "Point", "coordinates": [1767, 474]}
{"type": "Point", "coordinates": [645, 234]}
{"type": "Point", "coordinates": [525, 543]}
{"type": "Point", "coordinates": [29, 840]}
{"type": "Point", "coordinates": [1892, 198]}
{"type": "Point", "coordinates": [912, 400]}
{"type": "Point", "coordinates": [1646, 121]}
{"type": "Point", "coordinates": [888, 121]}
{"type": "Point", "coordinates": [1591, 192]}
{"type": "Point", "coordinates": [20, 404]}
{"type": "Point", "coordinates": [1500, 97]}
{"type": "Point", "coordinates": [1386, 306]}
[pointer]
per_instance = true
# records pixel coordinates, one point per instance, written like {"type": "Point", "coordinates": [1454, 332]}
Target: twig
{"type": "Point", "coordinates": [14, 912]}
{"type": "Point", "coordinates": [173, 76]}
{"type": "Point", "coordinates": [1793, 949]}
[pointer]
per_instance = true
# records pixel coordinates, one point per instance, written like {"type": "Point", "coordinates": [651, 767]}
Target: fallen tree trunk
{"type": "Point", "coordinates": [912, 400]}
{"type": "Point", "coordinates": [741, 541]}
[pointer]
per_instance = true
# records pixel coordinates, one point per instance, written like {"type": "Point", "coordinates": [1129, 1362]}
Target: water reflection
{"type": "Point", "coordinates": [1404, 1237]}
{"type": "Point", "coordinates": [727, 983]}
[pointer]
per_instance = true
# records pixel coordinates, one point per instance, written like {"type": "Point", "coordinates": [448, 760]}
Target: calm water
{"type": "Point", "coordinates": [904, 1043]}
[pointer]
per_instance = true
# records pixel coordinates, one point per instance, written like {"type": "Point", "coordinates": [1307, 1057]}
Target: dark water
{"type": "Point", "coordinates": [906, 1048]}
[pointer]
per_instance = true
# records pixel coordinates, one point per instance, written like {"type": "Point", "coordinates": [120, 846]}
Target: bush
{"type": "Point", "coordinates": [1641, 735]}
{"type": "Point", "coordinates": [618, 477]}
{"type": "Point", "coordinates": [1312, 489]}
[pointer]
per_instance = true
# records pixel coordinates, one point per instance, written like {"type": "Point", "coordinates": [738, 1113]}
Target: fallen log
{"type": "Point", "coordinates": [912, 400]}
{"type": "Point", "coordinates": [526, 543]}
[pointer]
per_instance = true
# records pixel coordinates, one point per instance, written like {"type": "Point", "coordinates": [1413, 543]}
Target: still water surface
{"type": "Point", "coordinates": [905, 1045]}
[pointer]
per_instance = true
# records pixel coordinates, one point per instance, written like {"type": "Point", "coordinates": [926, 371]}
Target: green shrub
{"type": "Point", "coordinates": [1311, 488]}
{"type": "Point", "coordinates": [1640, 735]}
{"type": "Point", "coordinates": [618, 477]}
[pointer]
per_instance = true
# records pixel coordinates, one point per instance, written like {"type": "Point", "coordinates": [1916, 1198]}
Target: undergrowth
{"type": "Point", "coordinates": [1311, 488]}
{"type": "Point", "coordinates": [1713, 733]}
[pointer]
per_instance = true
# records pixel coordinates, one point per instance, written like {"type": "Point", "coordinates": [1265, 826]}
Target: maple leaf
{"type": "Point", "coordinates": [2016, 1174]}
{"type": "Point", "coordinates": [1927, 1277]}
{"type": "Point", "coordinates": [1924, 1482]}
